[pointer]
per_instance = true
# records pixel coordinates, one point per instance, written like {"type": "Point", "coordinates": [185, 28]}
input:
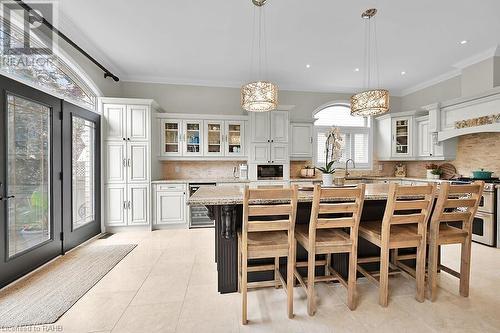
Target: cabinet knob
{"type": "Point", "coordinates": [268, 140]}
{"type": "Point", "coordinates": [124, 139]}
{"type": "Point", "coordinates": [128, 139]}
{"type": "Point", "coordinates": [272, 140]}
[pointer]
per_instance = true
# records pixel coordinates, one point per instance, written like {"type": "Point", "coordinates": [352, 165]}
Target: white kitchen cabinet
{"type": "Point", "coordinates": [192, 138]}
{"type": "Point", "coordinates": [402, 139]}
{"type": "Point", "coordinates": [279, 153]}
{"type": "Point", "coordinates": [269, 139]}
{"type": "Point", "coordinates": [115, 162]}
{"type": "Point", "coordinates": [170, 204]}
{"type": "Point", "coordinates": [224, 138]}
{"type": "Point", "coordinates": [115, 124]}
{"type": "Point", "coordinates": [214, 138]}
{"type": "Point", "coordinates": [424, 142]}
{"type": "Point", "coordinates": [138, 122]}
{"type": "Point", "coordinates": [301, 142]}
{"type": "Point", "coordinates": [234, 135]}
{"type": "Point", "coordinates": [137, 162]}
{"type": "Point", "coordinates": [260, 125]}
{"type": "Point", "coordinates": [279, 126]}
{"type": "Point", "coordinates": [137, 204]}
{"type": "Point", "coordinates": [127, 161]}
{"type": "Point", "coordinates": [126, 122]}
{"type": "Point", "coordinates": [115, 204]}
{"type": "Point", "coordinates": [171, 137]}
{"type": "Point", "coordinates": [261, 153]}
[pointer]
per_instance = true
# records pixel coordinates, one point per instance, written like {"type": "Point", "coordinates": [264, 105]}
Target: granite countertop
{"type": "Point", "coordinates": [222, 180]}
{"type": "Point", "coordinates": [233, 195]}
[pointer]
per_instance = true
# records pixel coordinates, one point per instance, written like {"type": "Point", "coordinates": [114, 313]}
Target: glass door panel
{"type": "Point", "coordinates": [214, 138]}
{"type": "Point", "coordinates": [234, 137]}
{"type": "Point", "coordinates": [172, 136]}
{"type": "Point", "coordinates": [193, 138]}
{"type": "Point", "coordinates": [83, 183]}
{"type": "Point", "coordinates": [402, 136]}
{"type": "Point", "coordinates": [28, 180]}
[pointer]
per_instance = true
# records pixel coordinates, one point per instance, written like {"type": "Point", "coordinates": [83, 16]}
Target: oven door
{"type": "Point", "coordinates": [487, 203]}
{"type": "Point", "coordinates": [483, 228]}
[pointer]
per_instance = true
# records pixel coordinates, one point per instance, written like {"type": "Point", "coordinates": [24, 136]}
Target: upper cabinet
{"type": "Point", "coordinates": [209, 138]}
{"type": "Point", "coordinates": [126, 122]}
{"type": "Point", "coordinates": [409, 136]}
{"type": "Point", "coordinates": [402, 136]}
{"type": "Point", "coordinates": [269, 137]}
{"type": "Point", "coordinates": [301, 142]}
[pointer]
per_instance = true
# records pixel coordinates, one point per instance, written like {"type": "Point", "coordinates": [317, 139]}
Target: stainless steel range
{"type": "Point", "coordinates": [485, 225]}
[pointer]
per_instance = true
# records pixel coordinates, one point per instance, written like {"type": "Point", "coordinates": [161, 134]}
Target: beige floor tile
{"type": "Point", "coordinates": [149, 318]}
{"type": "Point", "coordinates": [96, 312]}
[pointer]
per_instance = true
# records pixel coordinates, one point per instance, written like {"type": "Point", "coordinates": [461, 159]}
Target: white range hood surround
{"type": "Point", "coordinates": [443, 116]}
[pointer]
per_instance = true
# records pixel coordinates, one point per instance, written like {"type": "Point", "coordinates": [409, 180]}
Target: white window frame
{"type": "Point", "coordinates": [368, 129]}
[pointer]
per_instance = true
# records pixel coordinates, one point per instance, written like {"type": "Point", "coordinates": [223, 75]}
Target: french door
{"type": "Point", "coordinates": [49, 178]}
{"type": "Point", "coordinates": [30, 184]}
{"type": "Point", "coordinates": [81, 175]}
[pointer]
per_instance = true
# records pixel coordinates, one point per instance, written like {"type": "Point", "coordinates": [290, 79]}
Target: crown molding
{"type": "Point", "coordinates": [431, 82]}
{"type": "Point", "coordinates": [489, 53]}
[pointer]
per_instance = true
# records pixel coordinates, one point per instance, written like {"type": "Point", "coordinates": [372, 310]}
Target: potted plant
{"type": "Point", "coordinates": [433, 171]}
{"type": "Point", "coordinates": [333, 152]}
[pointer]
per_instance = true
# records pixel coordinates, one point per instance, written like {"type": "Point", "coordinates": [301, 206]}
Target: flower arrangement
{"type": "Point", "coordinates": [333, 153]}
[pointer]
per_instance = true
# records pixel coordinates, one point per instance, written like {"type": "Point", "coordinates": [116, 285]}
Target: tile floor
{"type": "Point", "coordinates": [168, 284]}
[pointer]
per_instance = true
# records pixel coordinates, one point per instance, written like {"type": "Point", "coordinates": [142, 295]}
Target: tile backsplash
{"type": "Point", "coordinates": [475, 151]}
{"type": "Point", "coordinates": [198, 169]}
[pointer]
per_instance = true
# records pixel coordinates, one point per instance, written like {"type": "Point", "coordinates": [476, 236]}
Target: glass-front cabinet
{"type": "Point", "coordinates": [208, 138]}
{"type": "Point", "coordinates": [402, 136]}
{"type": "Point", "coordinates": [214, 138]}
{"type": "Point", "coordinates": [171, 135]}
{"type": "Point", "coordinates": [235, 136]}
{"type": "Point", "coordinates": [193, 133]}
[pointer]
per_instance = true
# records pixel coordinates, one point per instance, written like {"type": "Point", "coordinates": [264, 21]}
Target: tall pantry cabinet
{"type": "Point", "coordinates": [127, 161]}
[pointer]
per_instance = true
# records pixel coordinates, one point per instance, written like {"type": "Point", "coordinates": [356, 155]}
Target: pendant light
{"type": "Point", "coordinates": [261, 95]}
{"type": "Point", "coordinates": [370, 102]}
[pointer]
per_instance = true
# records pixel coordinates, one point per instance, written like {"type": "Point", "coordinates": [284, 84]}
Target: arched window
{"type": "Point", "coordinates": [356, 133]}
{"type": "Point", "coordinates": [53, 72]}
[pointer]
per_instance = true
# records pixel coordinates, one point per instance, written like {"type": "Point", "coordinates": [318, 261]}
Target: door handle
{"type": "Point", "coordinates": [128, 162]}
{"type": "Point", "coordinates": [124, 205]}
{"type": "Point", "coordinates": [128, 204]}
{"type": "Point", "coordinates": [124, 162]}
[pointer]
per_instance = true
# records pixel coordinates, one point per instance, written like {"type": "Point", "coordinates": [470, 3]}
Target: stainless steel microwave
{"type": "Point", "coordinates": [270, 172]}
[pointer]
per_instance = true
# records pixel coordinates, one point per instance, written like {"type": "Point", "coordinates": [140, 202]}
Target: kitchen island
{"type": "Point", "coordinates": [226, 207]}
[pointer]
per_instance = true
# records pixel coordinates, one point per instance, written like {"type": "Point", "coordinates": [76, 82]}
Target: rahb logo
{"type": "Point", "coordinates": [24, 31]}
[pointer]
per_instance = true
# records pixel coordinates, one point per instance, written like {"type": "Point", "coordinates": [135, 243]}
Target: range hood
{"type": "Point", "coordinates": [466, 115]}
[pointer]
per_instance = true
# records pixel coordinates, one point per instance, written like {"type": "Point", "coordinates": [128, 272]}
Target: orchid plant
{"type": "Point", "coordinates": [333, 150]}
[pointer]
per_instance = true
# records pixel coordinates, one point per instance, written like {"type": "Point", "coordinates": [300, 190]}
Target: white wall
{"type": "Point", "coordinates": [439, 92]}
{"type": "Point", "coordinates": [478, 78]}
{"type": "Point", "coordinates": [218, 100]}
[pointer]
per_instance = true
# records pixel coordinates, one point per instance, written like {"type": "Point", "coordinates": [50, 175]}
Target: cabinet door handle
{"type": "Point", "coordinates": [128, 162]}
{"type": "Point", "coordinates": [128, 204]}
{"type": "Point", "coordinates": [124, 205]}
{"type": "Point", "coordinates": [124, 162]}
{"type": "Point", "coordinates": [311, 139]}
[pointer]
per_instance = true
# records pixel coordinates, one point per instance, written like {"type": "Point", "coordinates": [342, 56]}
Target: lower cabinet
{"type": "Point", "coordinates": [126, 205]}
{"type": "Point", "coordinates": [170, 204]}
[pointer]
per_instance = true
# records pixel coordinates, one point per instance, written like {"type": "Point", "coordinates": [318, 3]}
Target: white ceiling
{"type": "Point", "coordinates": [208, 42]}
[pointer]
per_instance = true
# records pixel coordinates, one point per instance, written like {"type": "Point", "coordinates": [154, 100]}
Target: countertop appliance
{"type": "Point", "coordinates": [198, 214]}
{"type": "Point", "coordinates": [243, 171]}
{"type": "Point", "coordinates": [485, 225]}
{"type": "Point", "coordinates": [270, 172]}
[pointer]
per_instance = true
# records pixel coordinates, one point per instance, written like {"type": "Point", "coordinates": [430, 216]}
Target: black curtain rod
{"type": "Point", "coordinates": [40, 19]}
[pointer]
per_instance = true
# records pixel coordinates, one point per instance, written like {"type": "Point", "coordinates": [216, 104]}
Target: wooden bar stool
{"type": "Point", "coordinates": [456, 203]}
{"type": "Point", "coordinates": [267, 232]}
{"type": "Point", "coordinates": [404, 225]}
{"type": "Point", "coordinates": [326, 235]}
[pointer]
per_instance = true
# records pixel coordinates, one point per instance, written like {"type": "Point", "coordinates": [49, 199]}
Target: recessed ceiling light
{"type": "Point", "coordinates": [463, 42]}
{"type": "Point", "coordinates": [403, 73]}
{"type": "Point", "coordinates": [308, 66]}
{"type": "Point", "coordinates": [356, 69]}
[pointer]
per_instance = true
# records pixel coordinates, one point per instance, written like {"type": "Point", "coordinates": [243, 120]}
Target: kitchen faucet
{"type": "Point", "coordinates": [346, 163]}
